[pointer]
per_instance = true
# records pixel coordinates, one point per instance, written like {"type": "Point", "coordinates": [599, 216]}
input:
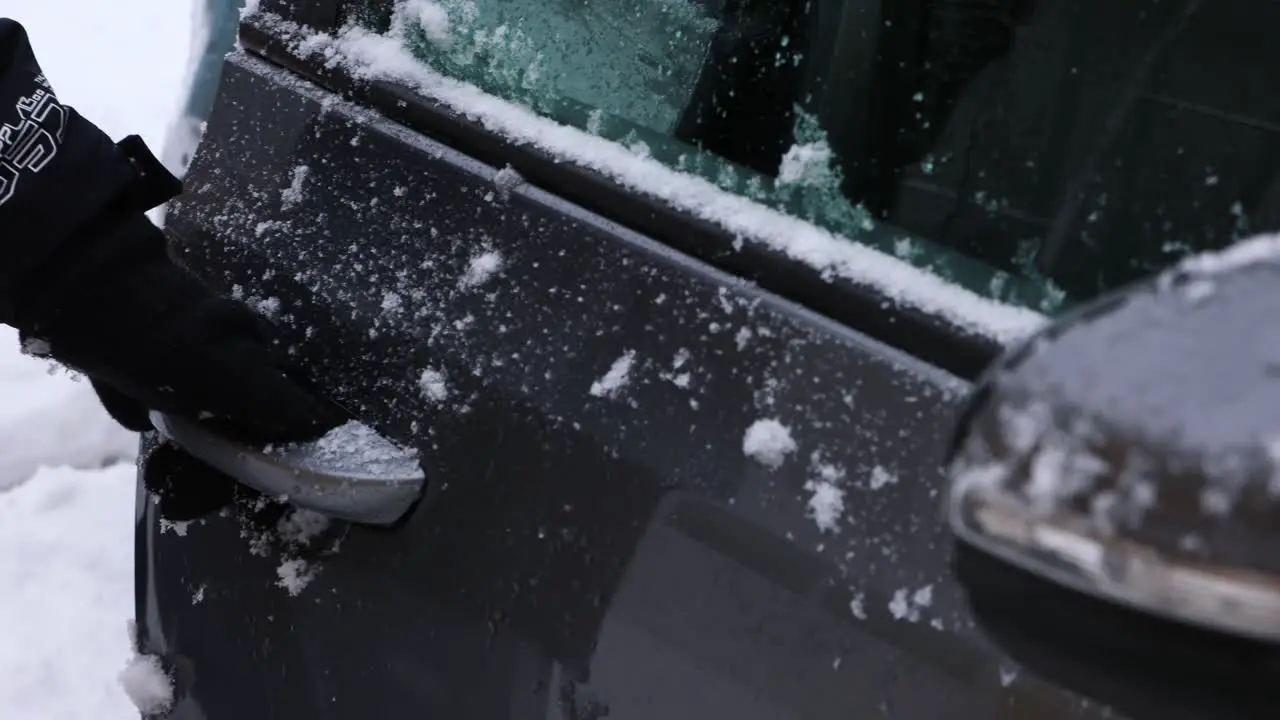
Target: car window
{"type": "Point", "coordinates": [1036, 151]}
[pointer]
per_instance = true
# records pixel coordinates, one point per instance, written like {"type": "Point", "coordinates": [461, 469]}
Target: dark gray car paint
{"type": "Point", "coordinates": [577, 556]}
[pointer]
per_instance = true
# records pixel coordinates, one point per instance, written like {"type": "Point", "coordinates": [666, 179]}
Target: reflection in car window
{"type": "Point", "coordinates": [1036, 151]}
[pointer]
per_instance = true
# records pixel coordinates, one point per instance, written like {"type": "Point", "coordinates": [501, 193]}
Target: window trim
{"type": "Point", "coordinates": [928, 336]}
{"type": "Point", "coordinates": [324, 15]}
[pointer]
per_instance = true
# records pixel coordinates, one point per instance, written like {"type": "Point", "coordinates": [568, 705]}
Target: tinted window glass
{"type": "Point", "coordinates": [1037, 151]}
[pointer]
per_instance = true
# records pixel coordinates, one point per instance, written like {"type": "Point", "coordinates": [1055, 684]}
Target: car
{"type": "Point", "coordinates": [676, 305]}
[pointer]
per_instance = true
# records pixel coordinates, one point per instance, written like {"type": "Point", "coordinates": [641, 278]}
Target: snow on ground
{"type": "Point", "coordinates": [66, 477]}
{"type": "Point", "coordinates": [66, 594]}
{"type": "Point", "coordinates": [121, 64]}
{"type": "Point", "coordinates": [49, 418]}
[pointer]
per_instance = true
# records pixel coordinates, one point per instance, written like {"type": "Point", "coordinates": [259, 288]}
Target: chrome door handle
{"type": "Point", "coordinates": [352, 474]}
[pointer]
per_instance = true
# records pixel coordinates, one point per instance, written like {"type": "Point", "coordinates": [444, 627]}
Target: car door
{"type": "Point", "coordinates": [676, 301]}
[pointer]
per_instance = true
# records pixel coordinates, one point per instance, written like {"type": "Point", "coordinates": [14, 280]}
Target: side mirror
{"type": "Point", "coordinates": [1126, 462]}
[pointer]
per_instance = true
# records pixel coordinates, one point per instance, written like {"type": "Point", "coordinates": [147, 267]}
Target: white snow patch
{"type": "Point", "coordinates": [434, 386]}
{"type": "Point", "coordinates": [292, 195]}
{"type": "Point", "coordinates": [353, 449]}
{"type": "Point", "coordinates": [1249, 251]}
{"type": "Point", "coordinates": [899, 607]}
{"type": "Point", "coordinates": [826, 504]}
{"type": "Point", "coordinates": [1198, 290]}
{"type": "Point", "coordinates": [259, 541]}
{"type": "Point", "coordinates": [857, 606]}
{"type": "Point", "coordinates": [805, 164]}
{"type": "Point", "coordinates": [85, 48]}
{"type": "Point", "coordinates": [432, 17]}
{"type": "Point", "coordinates": [50, 418]}
{"type": "Point", "coordinates": [369, 55]}
{"type": "Point", "coordinates": [480, 269]}
{"type": "Point", "coordinates": [768, 442]}
{"type": "Point", "coordinates": [881, 478]}
{"type": "Point", "coordinates": [595, 121]}
{"type": "Point", "coordinates": [906, 605]}
{"type": "Point", "coordinates": [295, 574]}
{"type": "Point", "coordinates": [300, 526]}
{"type": "Point", "coordinates": [267, 307]}
{"type": "Point", "coordinates": [148, 686]}
{"type": "Point", "coordinates": [506, 180]}
{"type": "Point", "coordinates": [681, 380]}
{"type": "Point", "coordinates": [178, 527]}
{"type": "Point", "coordinates": [66, 580]}
{"type": "Point", "coordinates": [392, 303]}
{"type": "Point", "coordinates": [616, 378]}
{"type": "Point", "coordinates": [830, 472]}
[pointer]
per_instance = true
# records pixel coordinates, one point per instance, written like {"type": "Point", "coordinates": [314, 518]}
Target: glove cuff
{"type": "Point", "coordinates": [152, 184]}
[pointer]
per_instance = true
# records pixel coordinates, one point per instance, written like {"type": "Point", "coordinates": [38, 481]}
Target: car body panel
{"type": "Point", "coordinates": [587, 548]}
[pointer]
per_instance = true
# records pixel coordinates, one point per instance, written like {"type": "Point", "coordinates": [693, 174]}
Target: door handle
{"type": "Point", "coordinates": [351, 474]}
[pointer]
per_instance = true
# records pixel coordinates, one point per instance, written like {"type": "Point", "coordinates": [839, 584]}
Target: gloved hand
{"type": "Point", "coordinates": [152, 336]}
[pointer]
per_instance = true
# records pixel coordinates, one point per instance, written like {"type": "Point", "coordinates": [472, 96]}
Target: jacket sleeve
{"type": "Point", "coordinates": [58, 171]}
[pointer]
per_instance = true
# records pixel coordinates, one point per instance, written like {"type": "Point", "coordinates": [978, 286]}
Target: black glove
{"type": "Point", "coordinates": [152, 336]}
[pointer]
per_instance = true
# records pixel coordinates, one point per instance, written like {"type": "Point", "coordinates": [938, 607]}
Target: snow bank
{"type": "Point", "coordinates": [66, 589]}
{"type": "Point", "coordinates": [50, 418]}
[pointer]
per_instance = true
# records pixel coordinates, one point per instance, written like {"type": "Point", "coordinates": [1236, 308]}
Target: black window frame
{"type": "Point", "coordinates": [323, 15]}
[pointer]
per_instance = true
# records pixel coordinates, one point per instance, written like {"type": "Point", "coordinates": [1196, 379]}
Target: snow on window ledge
{"type": "Point", "coordinates": [373, 57]}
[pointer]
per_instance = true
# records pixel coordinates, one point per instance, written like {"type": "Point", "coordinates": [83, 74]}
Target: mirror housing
{"type": "Point", "coordinates": [1131, 450]}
